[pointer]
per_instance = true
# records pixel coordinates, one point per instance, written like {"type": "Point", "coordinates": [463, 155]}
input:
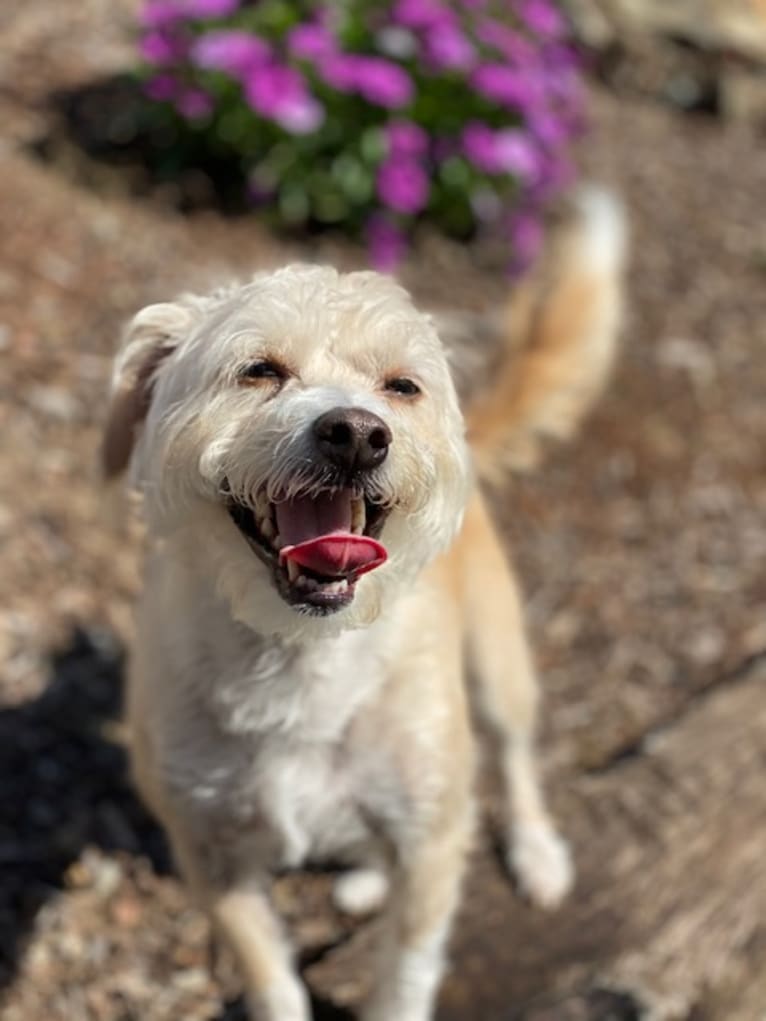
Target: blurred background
{"type": "Point", "coordinates": [148, 148]}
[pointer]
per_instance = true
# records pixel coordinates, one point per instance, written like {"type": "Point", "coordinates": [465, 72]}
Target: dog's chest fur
{"type": "Point", "coordinates": [278, 739]}
{"type": "Point", "coordinates": [304, 768]}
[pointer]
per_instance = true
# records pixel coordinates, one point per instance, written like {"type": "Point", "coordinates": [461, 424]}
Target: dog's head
{"type": "Point", "coordinates": [300, 437]}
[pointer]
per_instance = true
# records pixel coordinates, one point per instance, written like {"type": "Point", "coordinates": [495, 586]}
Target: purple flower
{"type": "Point", "coordinates": [563, 86]}
{"type": "Point", "coordinates": [161, 13]}
{"type": "Point", "coordinates": [507, 86]}
{"type": "Point", "coordinates": [161, 87]}
{"type": "Point", "coordinates": [543, 18]}
{"type": "Point", "coordinates": [209, 8]}
{"type": "Point", "coordinates": [160, 47]}
{"type": "Point", "coordinates": [233, 51]}
{"type": "Point", "coordinates": [509, 44]}
{"type": "Point", "coordinates": [382, 82]}
{"type": "Point", "coordinates": [561, 57]}
{"type": "Point", "coordinates": [405, 138]}
{"type": "Point", "coordinates": [480, 146]}
{"type": "Point", "coordinates": [514, 57]}
{"type": "Point", "coordinates": [378, 80]}
{"type": "Point", "coordinates": [517, 154]}
{"type": "Point", "coordinates": [551, 129]}
{"type": "Point", "coordinates": [194, 104]}
{"type": "Point", "coordinates": [310, 42]}
{"type": "Point", "coordinates": [386, 242]}
{"type": "Point", "coordinates": [340, 71]}
{"type": "Point", "coordinates": [422, 14]}
{"type": "Point", "coordinates": [448, 49]}
{"type": "Point", "coordinates": [510, 151]}
{"type": "Point", "coordinates": [280, 93]}
{"type": "Point", "coordinates": [403, 185]}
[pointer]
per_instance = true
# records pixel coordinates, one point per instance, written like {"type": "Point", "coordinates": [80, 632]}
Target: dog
{"type": "Point", "coordinates": [320, 563]}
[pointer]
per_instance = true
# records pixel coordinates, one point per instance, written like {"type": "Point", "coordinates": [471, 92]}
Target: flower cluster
{"type": "Point", "coordinates": [377, 114]}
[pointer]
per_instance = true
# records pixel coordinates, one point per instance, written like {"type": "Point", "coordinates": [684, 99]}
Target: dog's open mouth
{"type": "Point", "coordinates": [317, 545]}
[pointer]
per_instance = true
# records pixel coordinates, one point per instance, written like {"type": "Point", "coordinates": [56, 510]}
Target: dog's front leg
{"type": "Point", "coordinates": [246, 920]}
{"type": "Point", "coordinates": [237, 902]}
{"type": "Point", "coordinates": [417, 925]}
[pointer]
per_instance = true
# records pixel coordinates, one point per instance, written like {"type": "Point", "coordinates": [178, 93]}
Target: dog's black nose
{"type": "Point", "coordinates": [352, 438]}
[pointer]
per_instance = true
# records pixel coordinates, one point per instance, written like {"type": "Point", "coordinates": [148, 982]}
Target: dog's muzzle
{"type": "Point", "coordinates": [319, 542]}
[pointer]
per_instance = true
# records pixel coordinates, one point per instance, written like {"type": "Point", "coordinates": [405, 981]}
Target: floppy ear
{"type": "Point", "coordinates": [152, 335]}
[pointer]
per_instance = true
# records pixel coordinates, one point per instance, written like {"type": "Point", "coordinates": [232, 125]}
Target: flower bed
{"type": "Point", "coordinates": [375, 116]}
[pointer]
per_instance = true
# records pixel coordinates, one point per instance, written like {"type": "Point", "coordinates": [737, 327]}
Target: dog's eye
{"type": "Point", "coordinates": [402, 386]}
{"type": "Point", "coordinates": [263, 370]}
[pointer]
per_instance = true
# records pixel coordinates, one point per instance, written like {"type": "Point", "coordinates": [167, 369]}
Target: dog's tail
{"type": "Point", "coordinates": [559, 337]}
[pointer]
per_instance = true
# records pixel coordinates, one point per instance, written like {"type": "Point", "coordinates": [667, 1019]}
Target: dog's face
{"type": "Point", "coordinates": [303, 434]}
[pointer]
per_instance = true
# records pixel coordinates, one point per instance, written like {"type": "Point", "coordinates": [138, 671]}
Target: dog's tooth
{"type": "Point", "coordinates": [301, 580]}
{"type": "Point", "coordinates": [293, 570]}
{"type": "Point", "coordinates": [277, 542]}
{"type": "Point", "coordinates": [358, 516]}
{"type": "Point", "coordinates": [267, 528]}
{"type": "Point", "coordinates": [262, 505]}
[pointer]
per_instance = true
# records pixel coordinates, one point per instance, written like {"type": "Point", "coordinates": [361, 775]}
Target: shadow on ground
{"type": "Point", "coordinates": [65, 786]}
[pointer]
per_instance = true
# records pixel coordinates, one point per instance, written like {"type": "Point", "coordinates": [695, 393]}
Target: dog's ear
{"type": "Point", "coordinates": [151, 336]}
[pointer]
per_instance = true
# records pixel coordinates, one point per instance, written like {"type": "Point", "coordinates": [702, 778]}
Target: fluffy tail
{"type": "Point", "coordinates": [559, 338]}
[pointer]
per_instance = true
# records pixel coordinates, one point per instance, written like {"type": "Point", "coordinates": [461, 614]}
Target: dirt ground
{"type": "Point", "coordinates": [642, 551]}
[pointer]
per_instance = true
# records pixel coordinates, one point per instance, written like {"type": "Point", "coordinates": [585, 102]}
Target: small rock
{"type": "Point", "coordinates": [688, 355]}
{"type": "Point", "coordinates": [54, 402]}
{"type": "Point", "coordinates": [127, 912]}
{"type": "Point", "coordinates": [78, 875]}
{"type": "Point", "coordinates": [564, 627]}
{"type": "Point", "coordinates": [191, 980]}
{"type": "Point", "coordinates": [70, 946]}
{"type": "Point", "coordinates": [107, 877]}
{"type": "Point", "coordinates": [706, 647]}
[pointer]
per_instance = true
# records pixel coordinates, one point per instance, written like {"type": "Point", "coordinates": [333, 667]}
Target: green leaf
{"type": "Point", "coordinates": [293, 204]}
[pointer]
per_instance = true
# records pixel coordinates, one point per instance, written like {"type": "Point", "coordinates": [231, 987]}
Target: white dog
{"type": "Point", "coordinates": [320, 562]}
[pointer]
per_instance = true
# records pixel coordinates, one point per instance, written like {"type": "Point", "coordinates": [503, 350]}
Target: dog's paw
{"type": "Point", "coordinates": [540, 860]}
{"type": "Point", "coordinates": [360, 891]}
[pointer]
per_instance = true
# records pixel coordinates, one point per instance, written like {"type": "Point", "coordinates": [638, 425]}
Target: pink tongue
{"type": "Point", "coordinates": [337, 554]}
{"type": "Point", "coordinates": [316, 533]}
